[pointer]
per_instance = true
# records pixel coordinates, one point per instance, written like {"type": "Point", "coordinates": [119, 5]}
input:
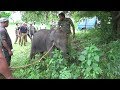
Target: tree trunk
{"type": "Point", "coordinates": [116, 24]}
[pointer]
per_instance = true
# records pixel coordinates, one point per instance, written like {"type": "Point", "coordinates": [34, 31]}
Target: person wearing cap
{"type": "Point", "coordinates": [4, 68]}
{"type": "Point", "coordinates": [6, 40]}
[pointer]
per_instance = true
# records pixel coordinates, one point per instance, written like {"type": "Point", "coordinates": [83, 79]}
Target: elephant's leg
{"type": "Point", "coordinates": [32, 55]}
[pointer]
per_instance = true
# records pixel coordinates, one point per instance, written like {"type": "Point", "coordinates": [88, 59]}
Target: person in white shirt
{"type": "Point", "coordinates": [34, 24]}
{"type": "Point", "coordinates": [43, 26]}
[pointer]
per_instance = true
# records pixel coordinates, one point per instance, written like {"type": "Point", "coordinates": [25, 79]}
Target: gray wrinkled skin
{"type": "Point", "coordinates": [43, 41]}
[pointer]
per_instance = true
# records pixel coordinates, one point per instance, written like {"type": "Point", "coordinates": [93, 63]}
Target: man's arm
{"type": "Point", "coordinates": [35, 29]}
{"type": "Point", "coordinates": [19, 33]}
{"type": "Point", "coordinates": [73, 27]}
{"type": "Point", "coordinates": [59, 25]}
{"type": "Point", "coordinates": [28, 29]}
{"type": "Point", "coordinates": [4, 43]}
{"type": "Point", "coordinates": [7, 47]}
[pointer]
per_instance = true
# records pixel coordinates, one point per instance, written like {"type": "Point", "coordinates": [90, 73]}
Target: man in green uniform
{"type": "Point", "coordinates": [64, 24]}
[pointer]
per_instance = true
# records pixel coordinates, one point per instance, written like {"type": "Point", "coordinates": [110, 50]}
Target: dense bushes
{"type": "Point", "coordinates": [89, 59]}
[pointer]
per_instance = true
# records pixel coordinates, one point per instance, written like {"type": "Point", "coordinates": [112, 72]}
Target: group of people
{"type": "Point", "coordinates": [21, 32]}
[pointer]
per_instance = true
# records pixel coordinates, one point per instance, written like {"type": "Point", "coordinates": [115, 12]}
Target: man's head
{"type": "Point", "coordinates": [24, 24]}
{"type": "Point", "coordinates": [62, 16]}
{"type": "Point", "coordinates": [31, 24]}
{"type": "Point", "coordinates": [4, 22]}
{"type": "Point", "coordinates": [17, 24]}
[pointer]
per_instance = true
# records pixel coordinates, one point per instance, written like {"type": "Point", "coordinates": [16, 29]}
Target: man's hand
{"type": "Point", "coordinates": [10, 53]}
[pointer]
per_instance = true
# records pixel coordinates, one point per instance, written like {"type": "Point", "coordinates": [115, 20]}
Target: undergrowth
{"type": "Point", "coordinates": [89, 59]}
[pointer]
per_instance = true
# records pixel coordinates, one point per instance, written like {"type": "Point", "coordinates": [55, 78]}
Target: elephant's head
{"type": "Point", "coordinates": [60, 40]}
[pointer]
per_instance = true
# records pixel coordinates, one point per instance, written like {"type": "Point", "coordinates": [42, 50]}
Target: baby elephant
{"type": "Point", "coordinates": [43, 40]}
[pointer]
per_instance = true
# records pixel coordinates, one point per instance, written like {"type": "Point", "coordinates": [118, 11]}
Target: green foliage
{"type": "Point", "coordinates": [5, 14]}
{"type": "Point", "coordinates": [111, 63]}
{"type": "Point", "coordinates": [39, 16]}
{"type": "Point", "coordinates": [65, 74]}
{"type": "Point", "coordinates": [51, 68]}
{"type": "Point", "coordinates": [90, 62]}
{"type": "Point", "coordinates": [86, 60]}
{"type": "Point", "coordinates": [89, 59]}
{"type": "Point", "coordinates": [84, 63]}
{"type": "Point", "coordinates": [104, 17]}
{"type": "Point", "coordinates": [47, 17]}
{"type": "Point", "coordinates": [58, 68]}
{"type": "Point", "coordinates": [55, 64]}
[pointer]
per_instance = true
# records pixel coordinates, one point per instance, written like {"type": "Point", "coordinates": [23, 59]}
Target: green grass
{"type": "Point", "coordinates": [21, 54]}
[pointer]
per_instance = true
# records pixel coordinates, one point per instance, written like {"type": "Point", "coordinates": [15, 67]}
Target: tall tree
{"type": "Point", "coordinates": [105, 18]}
{"type": "Point", "coordinates": [110, 20]}
{"type": "Point", "coordinates": [116, 23]}
{"type": "Point", "coordinates": [4, 14]}
{"type": "Point", "coordinates": [39, 16]}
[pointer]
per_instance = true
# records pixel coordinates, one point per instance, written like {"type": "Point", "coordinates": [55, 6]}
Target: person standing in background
{"type": "Point", "coordinates": [17, 33]}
